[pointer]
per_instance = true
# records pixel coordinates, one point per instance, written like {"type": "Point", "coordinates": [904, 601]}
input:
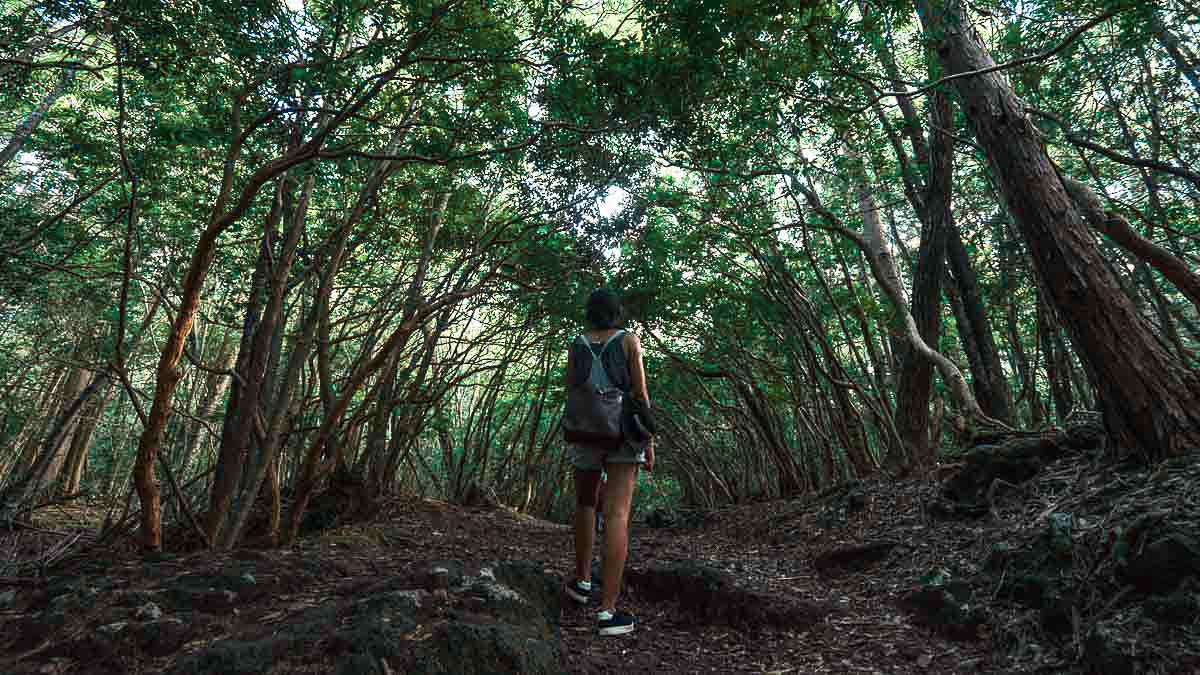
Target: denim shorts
{"type": "Point", "coordinates": [591, 458]}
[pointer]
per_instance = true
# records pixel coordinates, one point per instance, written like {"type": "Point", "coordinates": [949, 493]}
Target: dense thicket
{"type": "Point", "coordinates": [250, 252]}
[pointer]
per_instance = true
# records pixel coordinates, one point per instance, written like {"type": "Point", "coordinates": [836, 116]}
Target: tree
{"type": "Point", "coordinates": [1150, 399]}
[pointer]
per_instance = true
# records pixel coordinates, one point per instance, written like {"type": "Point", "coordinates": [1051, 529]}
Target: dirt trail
{"type": "Point", "coordinates": [842, 583]}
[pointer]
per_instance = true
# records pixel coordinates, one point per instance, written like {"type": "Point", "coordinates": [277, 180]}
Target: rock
{"type": "Point", "coordinates": [713, 596]}
{"type": "Point", "coordinates": [471, 648]}
{"type": "Point", "coordinates": [162, 638]}
{"type": "Point", "coordinates": [250, 654]}
{"type": "Point", "coordinates": [854, 557]}
{"type": "Point", "coordinates": [1014, 461]}
{"type": "Point", "coordinates": [379, 635]}
{"type": "Point", "coordinates": [540, 587]}
{"type": "Point", "coordinates": [1180, 607]}
{"type": "Point", "coordinates": [1084, 436]}
{"type": "Point", "coordinates": [937, 608]}
{"type": "Point", "coordinates": [1163, 564]}
{"type": "Point", "coordinates": [440, 574]}
{"type": "Point", "coordinates": [149, 612]}
{"type": "Point", "coordinates": [237, 657]}
{"type": "Point", "coordinates": [8, 598]}
{"type": "Point", "coordinates": [501, 619]}
{"type": "Point", "coordinates": [1101, 655]}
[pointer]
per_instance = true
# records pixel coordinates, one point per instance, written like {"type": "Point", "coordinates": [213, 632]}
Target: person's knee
{"type": "Point", "coordinates": [619, 517]}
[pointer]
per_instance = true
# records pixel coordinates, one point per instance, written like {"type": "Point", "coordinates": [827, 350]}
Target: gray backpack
{"type": "Point", "coordinates": [593, 413]}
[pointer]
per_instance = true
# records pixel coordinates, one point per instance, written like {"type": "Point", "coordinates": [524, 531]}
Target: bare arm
{"type": "Point", "coordinates": [637, 367]}
{"type": "Point", "coordinates": [567, 382]}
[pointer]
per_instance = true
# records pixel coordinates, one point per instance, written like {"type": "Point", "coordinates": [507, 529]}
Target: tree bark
{"type": "Point", "coordinates": [1118, 229]}
{"type": "Point", "coordinates": [1151, 401]}
{"type": "Point", "coordinates": [915, 382]}
{"type": "Point", "coordinates": [987, 376]}
{"type": "Point", "coordinates": [236, 446]}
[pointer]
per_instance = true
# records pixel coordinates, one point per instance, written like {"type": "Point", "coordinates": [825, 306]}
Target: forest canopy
{"type": "Point", "coordinates": [251, 252]}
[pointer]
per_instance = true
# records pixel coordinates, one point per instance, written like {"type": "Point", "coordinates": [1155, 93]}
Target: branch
{"type": "Point", "coordinates": [1042, 56]}
{"type": "Point", "coordinates": [1115, 156]}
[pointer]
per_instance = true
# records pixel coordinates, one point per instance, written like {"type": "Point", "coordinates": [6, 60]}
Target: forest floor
{"type": "Point", "coordinates": [881, 576]}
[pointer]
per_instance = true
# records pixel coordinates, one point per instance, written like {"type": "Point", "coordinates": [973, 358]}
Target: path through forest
{"type": "Point", "coordinates": [874, 577]}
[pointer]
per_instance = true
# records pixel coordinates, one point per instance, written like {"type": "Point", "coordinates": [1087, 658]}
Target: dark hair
{"type": "Point", "coordinates": [603, 309]}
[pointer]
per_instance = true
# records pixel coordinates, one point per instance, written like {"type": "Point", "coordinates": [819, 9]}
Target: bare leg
{"type": "Point", "coordinates": [585, 539]}
{"type": "Point", "coordinates": [618, 497]}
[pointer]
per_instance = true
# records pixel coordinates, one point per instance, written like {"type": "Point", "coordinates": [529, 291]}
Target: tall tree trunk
{"type": "Point", "coordinates": [235, 448]}
{"type": "Point", "coordinates": [1058, 371]}
{"type": "Point", "coordinates": [988, 380]}
{"type": "Point", "coordinates": [915, 382]}
{"type": "Point", "coordinates": [224, 214]}
{"type": "Point", "coordinates": [235, 445]}
{"type": "Point", "coordinates": [1151, 401]}
{"type": "Point", "coordinates": [1006, 242]}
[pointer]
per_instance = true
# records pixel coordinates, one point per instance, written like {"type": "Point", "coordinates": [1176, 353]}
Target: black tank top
{"type": "Point", "coordinates": [615, 363]}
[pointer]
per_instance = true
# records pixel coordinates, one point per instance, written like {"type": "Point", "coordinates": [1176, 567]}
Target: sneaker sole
{"type": "Point", "coordinates": [581, 599]}
{"type": "Point", "coordinates": [616, 630]}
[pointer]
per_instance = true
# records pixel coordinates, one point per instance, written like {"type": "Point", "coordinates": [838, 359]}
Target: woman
{"type": "Point", "coordinates": [620, 353]}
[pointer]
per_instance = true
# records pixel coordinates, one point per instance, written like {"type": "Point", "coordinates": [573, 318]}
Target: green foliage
{"type": "Point", "coordinates": [657, 146]}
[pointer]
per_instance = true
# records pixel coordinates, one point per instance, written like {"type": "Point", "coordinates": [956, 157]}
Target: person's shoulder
{"type": "Point", "coordinates": [631, 341]}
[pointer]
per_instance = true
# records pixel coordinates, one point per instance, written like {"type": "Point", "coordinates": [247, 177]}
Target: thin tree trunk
{"type": "Point", "coordinates": [1119, 230]}
{"type": "Point", "coordinates": [915, 381]}
{"type": "Point", "coordinates": [1185, 61]}
{"type": "Point", "coordinates": [26, 129]}
{"type": "Point", "coordinates": [235, 447]}
{"type": "Point", "coordinates": [991, 386]}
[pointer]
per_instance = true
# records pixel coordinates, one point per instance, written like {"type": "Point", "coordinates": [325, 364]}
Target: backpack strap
{"type": "Point", "coordinates": [598, 373]}
{"type": "Point", "coordinates": [620, 333]}
{"type": "Point", "coordinates": [588, 343]}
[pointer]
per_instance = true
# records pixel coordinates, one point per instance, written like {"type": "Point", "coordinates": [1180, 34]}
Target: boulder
{"type": "Point", "coordinates": [939, 609]}
{"type": "Point", "coordinates": [1163, 564]}
{"type": "Point", "coordinates": [1103, 656]}
{"type": "Point", "coordinates": [853, 557]}
{"type": "Point", "coordinates": [467, 647]}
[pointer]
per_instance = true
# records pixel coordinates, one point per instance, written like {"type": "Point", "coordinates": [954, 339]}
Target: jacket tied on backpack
{"type": "Point", "coordinates": [599, 383]}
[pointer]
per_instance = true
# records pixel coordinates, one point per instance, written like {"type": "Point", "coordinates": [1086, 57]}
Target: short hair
{"type": "Point", "coordinates": [603, 309]}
